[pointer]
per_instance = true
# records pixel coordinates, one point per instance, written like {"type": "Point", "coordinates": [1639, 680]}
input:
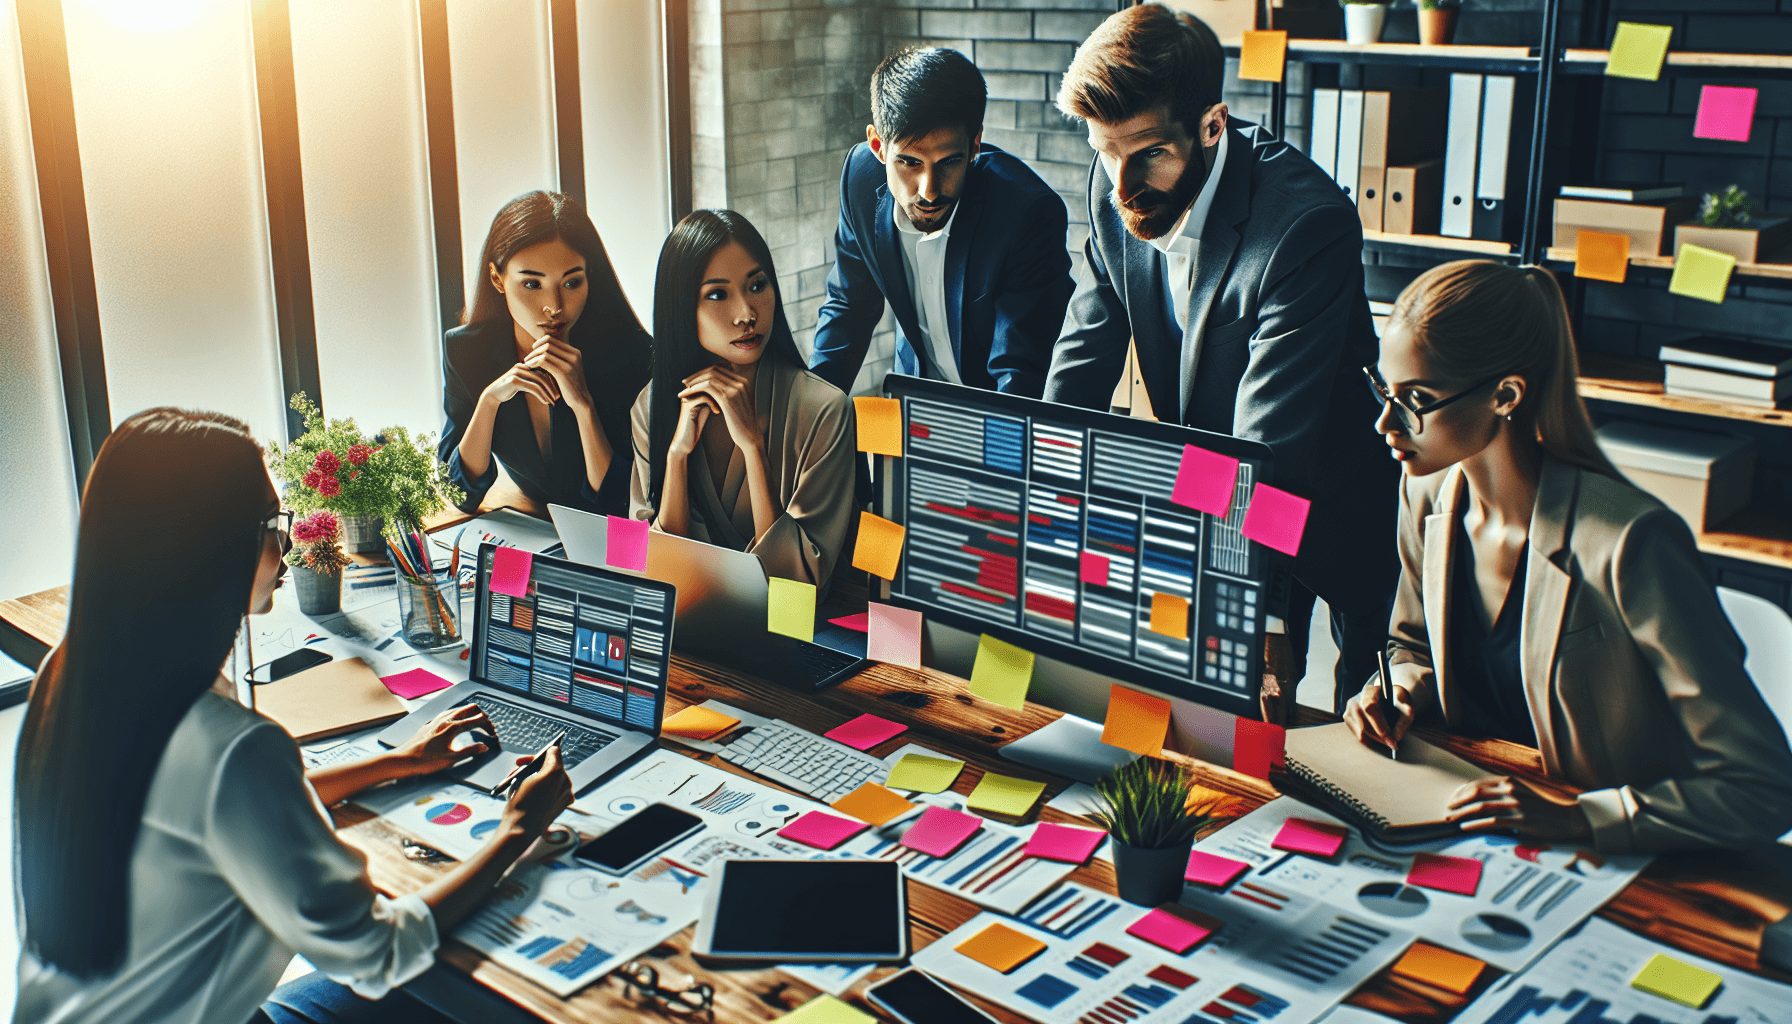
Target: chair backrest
{"type": "Point", "coordinates": [1766, 630]}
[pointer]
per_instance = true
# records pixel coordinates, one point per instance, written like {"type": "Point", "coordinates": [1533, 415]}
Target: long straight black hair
{"type": "Point", "coordinates": [676, 351]}
{"type": "Point", "coordinates": [169, 540]}
{"type": "Point", "coordinates": [536, 217]}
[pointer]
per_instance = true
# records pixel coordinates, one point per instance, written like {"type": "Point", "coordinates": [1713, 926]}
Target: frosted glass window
{"type": "Point", "coordinates": [37, 502]}
{"type": "Point", "coordinates": [358, 78]}
{"type": "Point", "coordinates": [171, 160]}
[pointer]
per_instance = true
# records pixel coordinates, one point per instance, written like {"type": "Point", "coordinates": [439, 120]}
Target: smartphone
{"type": "Point", "coordinates": [290, 664]}
{"type": "Point", "coordinates": [913, 997]}
{"type": "Point", "coordinates": [639, 838]}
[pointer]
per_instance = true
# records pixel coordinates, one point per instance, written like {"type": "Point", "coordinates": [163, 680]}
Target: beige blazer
{"type": "Point", "coordinates": [810, 441]}
{"type": "Point", "coordinates": [1632, 671]}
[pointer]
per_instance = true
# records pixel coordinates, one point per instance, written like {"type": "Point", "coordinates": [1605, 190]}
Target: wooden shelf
{"type": "Point", "coordinates": [1782, 271]}
{"type": "Point", "coordinates": [1593, 61]}
{"type": "Point", "coordinates": [1474, 245]}
{"type": "Point", "coordinates": [1635, 382]}
{"type": "Point", "coordinates": [1337, 51]}
{"type": "Point", "coordinates": [1758, 534]}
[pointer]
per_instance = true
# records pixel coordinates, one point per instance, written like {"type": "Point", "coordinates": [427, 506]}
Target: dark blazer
{"type": "Point", "coordinates": [1007, 276]}
{"type": "Point", "coordinates": [1278, 292]}
{"type": "Point", "coordinates": [618, 362]}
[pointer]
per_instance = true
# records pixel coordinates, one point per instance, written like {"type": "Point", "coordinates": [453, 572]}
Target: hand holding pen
{"type": "Point", "coordinates": [1381, 713]}
{"type": "Point", "coordinates": [528, 768]}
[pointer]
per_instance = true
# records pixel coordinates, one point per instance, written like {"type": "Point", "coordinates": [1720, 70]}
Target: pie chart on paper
{"type": "Point", "coordinates": [448, 814]}
{"type": "Point", "coordinates": [1392, 899]}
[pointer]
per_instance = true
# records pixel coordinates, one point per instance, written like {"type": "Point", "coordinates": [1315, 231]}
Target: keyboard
{"type": "Point", "coordinates": [810, 764]}
{"type": "Point", "coordinates": [519, 728]}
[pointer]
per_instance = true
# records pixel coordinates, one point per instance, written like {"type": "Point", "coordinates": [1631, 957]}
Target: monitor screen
{"type": "Point", "coordinates": [594, 640]}
{"type": "Point", "coordinates": [1003, 497]}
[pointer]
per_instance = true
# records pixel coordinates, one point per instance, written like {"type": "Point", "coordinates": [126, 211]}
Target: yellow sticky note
{"type": "Point", "coordinates": [1449, 971]}
{"type": "Point", "coordinates": [1000, 948]}
{"type": "Point", "coordinates": [825, 1009]}
{"type": "Point", "coordinates": [1600, 256]}
{"type": "Point", "coordinates": [1673, 979]}
{"type": "Point", "coordinates": [1638, 50]}
{"type": "Point", "coordinates": [1169, 615]}
{"type": "Point", "coordinates": [1002, 672]}
{"type": "Point", "coordinates": [1701, 273]}
{"type": "Point", "coordinates": [1003, 794]}
{"type": "Point", "coordinates": [1261, 58]}
{"type": "Point", "coordinates": [1136, 721]}
{"type": "Point", "coordinates": [872, 804]}
{"type": "Point", "coordinates": [879, 549]}
{"type": "Point", "coordinates": [919, 773]}
{"type": "Point", "coordinates": [790, 608]}
{"type": "Point", "coordinates": [698, 723]}
{"type": "Point", "coordinates": [880, 425]}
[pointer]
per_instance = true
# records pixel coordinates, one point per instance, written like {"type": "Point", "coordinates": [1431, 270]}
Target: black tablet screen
{"type": "Point", "coordinates": [809, 907]}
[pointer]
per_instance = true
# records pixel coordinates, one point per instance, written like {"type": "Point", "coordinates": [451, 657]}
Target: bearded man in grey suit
{"type": "Point", "coordinates": [1234, 265]}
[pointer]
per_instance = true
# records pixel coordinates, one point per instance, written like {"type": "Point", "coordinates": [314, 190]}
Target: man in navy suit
{"type": "Point", "coordinates": [964, 241]}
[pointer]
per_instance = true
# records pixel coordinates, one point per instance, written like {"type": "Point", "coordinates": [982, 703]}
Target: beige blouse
{"type": "Point", "coordinates": [810, 441]}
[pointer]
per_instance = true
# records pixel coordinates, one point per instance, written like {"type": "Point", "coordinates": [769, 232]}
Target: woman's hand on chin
{"type": "Point", "coordinates": [733, 396]}
{"type": "Point", "coordinates": [565, 366]}
{"type": "Point", "coordinates": [1502, 802]}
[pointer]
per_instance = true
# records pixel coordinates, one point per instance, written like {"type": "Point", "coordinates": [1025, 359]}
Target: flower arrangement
{"type": "Point", "coordinates": [334, 466]}
{"type": "Point", "coordinates": [1731, 208]}
{"type": "Point", "coordinates": [314, 543]}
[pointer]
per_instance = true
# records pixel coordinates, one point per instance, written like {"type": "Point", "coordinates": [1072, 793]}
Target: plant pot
{"type": "Point", "coordinates": [1362, 23]}
{"type": "Point", "coordinates": [1437, 27]}
{"type": "Point", "coordinates": [1763, 239]}
{"type": "Point", "coordinates": [1150, 878]}
{"type": "Point", "coordinates": [319, 593]}
{"type": "Point", "coordinates": [361, 534]}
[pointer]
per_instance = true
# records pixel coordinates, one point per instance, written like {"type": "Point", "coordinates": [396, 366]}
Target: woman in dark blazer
{"type": "Point", "coordinates": [542, 374]}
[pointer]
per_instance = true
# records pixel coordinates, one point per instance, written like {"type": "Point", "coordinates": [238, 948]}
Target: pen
{"type": "Point", "coordinates": [527, 768]}
{"type": "Point", "coordinates": [1387, 698]}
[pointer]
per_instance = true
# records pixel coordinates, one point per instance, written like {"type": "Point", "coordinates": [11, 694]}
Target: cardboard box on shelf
{"type": "Point", "coordinates": [1707, 478]}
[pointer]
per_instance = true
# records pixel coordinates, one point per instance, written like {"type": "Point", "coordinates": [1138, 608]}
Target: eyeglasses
{"type": "Point", "coordinates": [1409, 411]}
{"type": "Point", "coordinates": [280, 524]}
{"type": "Point", "coordinates": [642, 978]}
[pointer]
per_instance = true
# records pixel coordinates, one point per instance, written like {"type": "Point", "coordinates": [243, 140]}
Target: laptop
{"type": "Point", "coordinates": [722, 606]}
{"type": "Point", "coordinates": [586, 650]}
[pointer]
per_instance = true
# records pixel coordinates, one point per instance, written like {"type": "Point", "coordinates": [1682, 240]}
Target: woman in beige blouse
{"type": "Point", "coordinates": [736, 443]}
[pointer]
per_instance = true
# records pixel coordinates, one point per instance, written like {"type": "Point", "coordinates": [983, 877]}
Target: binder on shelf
{"type": "Point", "coordinates": [1414, 200]}
{"type": "Point", "coordinates": [1505, 146]}
{"type": "Point", "coordinates": [1400, 126]}
{"type": "Point", "coordinates": [1324, 145]}
{"type": "Point", "coordinates": [1371, 178]}
{"type": "Point", "coordinates": [1350, 140]}
{"type": "Point", "coordinates": [1462, 146]}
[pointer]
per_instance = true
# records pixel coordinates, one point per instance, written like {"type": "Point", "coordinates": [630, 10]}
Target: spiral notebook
{"type": "Point", "coordinates": [1399, 800]}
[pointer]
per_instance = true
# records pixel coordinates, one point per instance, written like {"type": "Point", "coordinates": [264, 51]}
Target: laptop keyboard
{"type": "Point", "coordinates": [519, 728]}
{"type": "Point", "coordinates": [810, 764]}
{"type": "Point", "coordinates": [821, 661]}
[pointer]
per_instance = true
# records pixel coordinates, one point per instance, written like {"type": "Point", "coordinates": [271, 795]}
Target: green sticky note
{"type": "Point", "coordinates": [790, 608]}
{"type": "Point", "coordinates": [1638, 50]}
{"type": "Point", "coordinates": [1669, 978]}
{"type": "Point", "coordinates": [825, 1009]}
{"type": "Point", "coordinates": [1004, 794]}
{"type": "Point", "coordinates": [1002, 673]}
{"type": "Point", "coordinates": [922, 774]}
{"type": "Point", "coordinates": [1701, 273]}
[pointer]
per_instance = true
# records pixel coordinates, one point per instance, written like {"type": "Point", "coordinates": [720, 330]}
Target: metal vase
{"type": "Point", "coordinates": [319, 593]}
{"type": "Point", "coordinates": [1150, 878]}
{"type": "Point", "coordinates": [361, 534]}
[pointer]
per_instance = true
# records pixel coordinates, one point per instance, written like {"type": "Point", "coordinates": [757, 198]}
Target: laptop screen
{"type": "Point", "coordinates": [588, 639]}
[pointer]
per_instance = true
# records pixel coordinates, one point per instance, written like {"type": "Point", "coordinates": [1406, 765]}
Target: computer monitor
{"type": "Point", "coordinates": [1002, 495]}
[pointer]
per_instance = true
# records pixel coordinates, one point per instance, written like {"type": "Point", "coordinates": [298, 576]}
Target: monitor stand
{"type": "Point", "coordinates": [1070, 747]}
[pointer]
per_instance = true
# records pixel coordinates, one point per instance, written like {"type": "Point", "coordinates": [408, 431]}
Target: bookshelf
{"type": "Point", "coordinates": [1639, 382]}
{"type": "Point", "coordinates": [1782, 271]}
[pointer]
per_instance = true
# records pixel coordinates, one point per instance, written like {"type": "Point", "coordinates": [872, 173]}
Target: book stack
{"type": "Point", "coordinates": [1645, 213]}
{"type": "Point", "coordinates": [1750, 373]}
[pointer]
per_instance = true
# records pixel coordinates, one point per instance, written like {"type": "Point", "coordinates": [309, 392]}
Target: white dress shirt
{"type": "Point", "coordinates": [924, 259]}
{"type": "Point", "coordinates": [1178, 248]}
{"type": "Point", "coordinates": [236, 867]}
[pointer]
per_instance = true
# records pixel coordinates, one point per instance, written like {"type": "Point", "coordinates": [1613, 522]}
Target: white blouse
{"type": "Point", "coordinates": [236, 867]}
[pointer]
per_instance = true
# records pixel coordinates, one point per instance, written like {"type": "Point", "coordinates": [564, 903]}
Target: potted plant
{"type": "Point", "coordinates": [1146, 810]}
{"type": "Point", "coordinates": [1729, 222]}
{"type": "Point", "coordinates": [317, 562]}
{"type": "Point", "coordinates": [1437, 22]}
{"type": "Point", "coordinates": [1363, 20]}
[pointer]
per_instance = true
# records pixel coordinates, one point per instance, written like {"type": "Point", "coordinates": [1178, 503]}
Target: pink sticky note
{"type": "Point", "coordinates": [940, 830]}
{"type": "Point", "coordinates": [625, 544]}
{"type": "Point", "coordinates": [894, 635]}
{"type": "Point", "coordinates": [1448, 874]}
{"type": "Point", "coordinates": [1171, 931]}
{"type": "Point", "coordinates": [1209, 869]}
{"type": "Point", "coordinates": [1256, 747]}
{"type": "Point", "coordinates": [865, 732]}
{"type": "Point", "coordinates": [1064, 842]}
{"type": "Point", "coordinates": [1094, 568]}
{"type": "Point", "coordinates": [1276, 519]}
{"type": "Point", "coordinates": [856, 622]}
{"type": "Point", "coordinates": [510, 571]}
{"type": "Point", "coordinates": [415, 683]}
{"type": "Point", "coordinates": [1319, 838]}
{"type": "Point", "coordinates": [822, 830]}
{"type": "Point", "coordinates": [1725, 112]}
{"type": "Point", "coordinates": [1204, 481]}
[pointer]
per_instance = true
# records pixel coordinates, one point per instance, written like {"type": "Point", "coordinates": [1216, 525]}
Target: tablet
{"type": "Point", "coordinates": [806, 911]}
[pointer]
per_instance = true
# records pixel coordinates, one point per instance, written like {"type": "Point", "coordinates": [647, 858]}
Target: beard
{"type": "Point", "coordinates": [1153, 213]}
{"type": "Point", "coordinates": [928, 223]}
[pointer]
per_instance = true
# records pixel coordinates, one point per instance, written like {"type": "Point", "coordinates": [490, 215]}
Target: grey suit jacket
{"type": "Point", "coordinates": [1632, 672]}
{"type": "Point", "coordinates": [1278, 299]}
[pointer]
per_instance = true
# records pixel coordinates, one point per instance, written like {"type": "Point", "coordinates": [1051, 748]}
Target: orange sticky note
{"type": "Point", "coordinates": [1449, 971]}
{"type": "Point", "coordinates": [880, 425]}
{"type": "Point", "coordinates": [1601, 256]}
{"type": "Point", "coordinates": [872, 804]}
{"type": "Point", "coordinates": [1169, 615]}
{"type": "Point", "coordinates": [698, 723]}
{"type": "Point", "coordinates": [1262, 56]}
{"type": "Point", "coordinates": [879, 549]}
{"type": "Point", "coordinates": [1000, 948]}
{"type": "Point", "coordinates": [1136, 721]}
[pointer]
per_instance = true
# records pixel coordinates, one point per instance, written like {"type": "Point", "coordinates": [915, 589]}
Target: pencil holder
{"type": "Point", "coordinates": [429, 613]}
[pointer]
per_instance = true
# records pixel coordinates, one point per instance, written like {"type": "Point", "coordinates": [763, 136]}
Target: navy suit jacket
{"type": "Point", "coordinates": [1007, 276]}
{"type": "Point", "coordinates": [1278, 293]}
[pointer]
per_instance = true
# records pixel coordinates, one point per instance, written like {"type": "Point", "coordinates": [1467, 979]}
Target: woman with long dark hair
{"type": "Point", "coordinates": [736, 442]}
{"type": "Point", "coordinates": [541, 374]}
{"type": "Point", "coordinates": [1546, 601]}
{"type": "Point", "coordinates": [172, 854]}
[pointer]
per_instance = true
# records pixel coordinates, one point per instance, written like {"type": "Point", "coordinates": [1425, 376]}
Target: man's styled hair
{"type": "Point", "coordinates": [1144, 57]}
{"type": "Point", "coordinates": [918, 91]}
